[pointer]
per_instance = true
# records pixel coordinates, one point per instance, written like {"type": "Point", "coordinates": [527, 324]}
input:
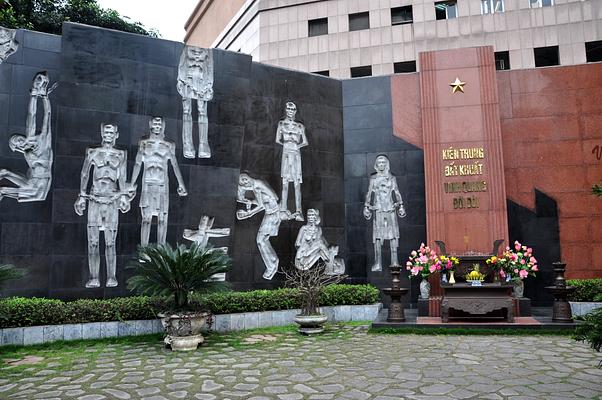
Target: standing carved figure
{"type": "Point", "coordinates": [291, 135]}
{"type": "Point", "coordinates": [109, 194]}
{"type": "Point", "coordinates": [37, 149]}
{"type": "Point", "coordinates": [8, 44]}
{"type": "Point", "coordinates": [265, 199]}
{"type": "Point", "coordinates": [195, 81]}
{"type": "Point", "coordinates": [312, 247]}
{"type": "Point", "coordinates": [385, 200]}
{"type": "Point", "coordinates": [155, 152]}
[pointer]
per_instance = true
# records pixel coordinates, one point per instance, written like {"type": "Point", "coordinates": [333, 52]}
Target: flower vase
{"type": "Point", "coordinates": [519, 288]}
{"type": "Point", "coordinates": [425, 288]}
{"type": "Point", "coordinates": [452, 280]}
{"type": "Point", "coordinates": [443, 277]}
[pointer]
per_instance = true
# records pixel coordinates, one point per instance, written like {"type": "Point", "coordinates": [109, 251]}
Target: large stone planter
{"type": "Point", "coordinates": [183, 330]}
{"type": "Point", "coordinates": [311, 324]}
{"type": "Point", "coordinates": [584, 307]}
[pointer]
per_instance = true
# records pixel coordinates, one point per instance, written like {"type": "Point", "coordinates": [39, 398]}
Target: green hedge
{"type": "Point", "coordinates": [587, 289]}
{"type": "Point", "coordinates": [19, 311]}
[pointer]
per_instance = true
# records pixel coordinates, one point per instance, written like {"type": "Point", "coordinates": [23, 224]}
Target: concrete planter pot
{"type": "Point", "coordinates": [311, 324]}
{"type": "Point", "coordinates": [183, 330]}
{"type": "Point", "coordinates": [583, 307]}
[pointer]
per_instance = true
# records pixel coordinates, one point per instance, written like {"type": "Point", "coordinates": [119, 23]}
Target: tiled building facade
{"type": "Point", "coordinates": [349, 38]}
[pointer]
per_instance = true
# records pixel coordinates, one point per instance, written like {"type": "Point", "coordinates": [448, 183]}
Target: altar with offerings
{"type": "Point", "coordinates": [473, 286]}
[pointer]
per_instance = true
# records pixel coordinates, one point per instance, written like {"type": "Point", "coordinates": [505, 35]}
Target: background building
{"type": "Point", "coordinates": [351, 38]}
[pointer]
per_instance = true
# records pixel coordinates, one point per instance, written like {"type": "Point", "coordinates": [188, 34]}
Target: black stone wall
{"type": "Point", "coordinates": [538, 229]}
{"type": "Point", "coordinates": [116, 77]}
{"type": "Point", "coordinates": [369, 132]}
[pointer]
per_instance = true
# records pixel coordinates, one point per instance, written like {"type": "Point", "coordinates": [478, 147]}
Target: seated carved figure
{"type": "Point", "coordinates": [312, 247]}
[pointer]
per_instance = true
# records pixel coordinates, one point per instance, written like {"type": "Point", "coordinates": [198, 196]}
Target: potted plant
{"type": "Point", "coordinates": [514, 265]}
{"type": "Point", "coordinates": [161, 270]}
{"type": "Point", "coordinates": [423, 262]}
{"type": "Point", "coordinates": [310, 283]}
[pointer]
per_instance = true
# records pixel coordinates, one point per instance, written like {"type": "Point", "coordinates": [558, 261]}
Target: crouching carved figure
{"type": "Point", "coordinates": [312, 247]}
{"type": "Point", "coordinates": [265, 199]}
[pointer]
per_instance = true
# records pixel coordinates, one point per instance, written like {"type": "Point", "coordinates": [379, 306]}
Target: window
{"type": "Point", "coordinates": [593, 51]}
{"type": "Point", "coordinates": [546, 56]}
{"type": "Point", "coordinates": [359, 21]}
{"type": "Point", "coordinates": [446, 9]}
{"type": "Point", "coordinates": [541, 3]}
{"type": "Point", "coordinates": [404, 67]}
{"type": "Point", "coordinates": [357, 72]}
{"type": "Point", "coordinates": [323, 73]}
{"type": "Point", "coordinates": [401, 15]}
{"type": "Point", "coordinates": [492, 6]}
{"type": "Point", "coordinates": [502, 60]}
{"type": "Point", "coordinates": [317, 27]}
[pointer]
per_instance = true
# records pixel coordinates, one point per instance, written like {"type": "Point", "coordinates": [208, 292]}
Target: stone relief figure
{"type": "Point", "coordinates": [291, 135]}
{"type": "Point", "coordinates": [385, 200]}
{"type": "Point", "coordinates": [202, 236]}
{"type": "Point", "coordinates": [109, 194]}
{"type": "Point", "coordinates": [155, 152]}
{"type": "Point", "coordinates": [195, 82]}
{"type": "Point", "coordinates": [36, 148]}
{"type": "Point", "coordinates": [264, 199]}
{"type": "Point", "coordinates": [206, 231]}
{"type": "Point", "coordinates": [312, 247]}
{"type": "Point", "coordinates": [8, 44]}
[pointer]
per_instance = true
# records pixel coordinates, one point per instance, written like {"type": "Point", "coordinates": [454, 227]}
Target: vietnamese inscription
{"type": "Point", "coordinates": [464, 162]}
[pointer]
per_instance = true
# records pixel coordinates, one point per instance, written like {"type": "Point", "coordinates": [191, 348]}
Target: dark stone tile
{"type": "Point", "coordinates": [355, 166]}
{"type": "Point", "coordinates": [376, 90]}
{"type": "Point", "coordinates": [41, 59]}
{"type": "Point", "coordinates": [6, 73]}
{"type": "Point", "coordinates": [25, 238]}
{"type": "Point", "coordinates": [41, 41]}
{"type": "Point", "coordinates": [4, 109]}
{"type": "Point", "coordinates": [70, 272]}
{"type": "Point", "coordinates": [367, 116]}
{"type": "Point", "coordinates": [367, 140]}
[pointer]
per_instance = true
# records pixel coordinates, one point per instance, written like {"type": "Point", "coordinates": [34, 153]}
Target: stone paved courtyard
{"type": "Point", "coordinates": [345, 363]}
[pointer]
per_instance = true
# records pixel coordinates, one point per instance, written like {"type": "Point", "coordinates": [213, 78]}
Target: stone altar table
{"type": "Point", "coordinates": [477, 301]}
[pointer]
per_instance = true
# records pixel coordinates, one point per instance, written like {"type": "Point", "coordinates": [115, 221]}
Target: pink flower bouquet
{"type": "Point", "coordinates": [515, 264]}
{"type": "Point", "coordinates": [424, 262]}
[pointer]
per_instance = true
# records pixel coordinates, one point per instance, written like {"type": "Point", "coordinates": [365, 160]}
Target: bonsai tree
{"type": "Point", "coordinates": [310, 283]}
{"type": "Point", "coordinates": [178, 272]}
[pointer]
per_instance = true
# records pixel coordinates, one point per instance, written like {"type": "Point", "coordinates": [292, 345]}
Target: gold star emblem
{"type": "Point", "coordinates": [457, 85]}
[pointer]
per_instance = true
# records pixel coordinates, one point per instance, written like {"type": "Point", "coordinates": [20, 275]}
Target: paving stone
{"type": "Point", "coordinates": [148, 391]}
{"type": "Point", "coordinates": [118, 394]}
{"type": "Point", "coordinates": [437, 389]}
{"type": "Point", "coordinates": [210, 385]}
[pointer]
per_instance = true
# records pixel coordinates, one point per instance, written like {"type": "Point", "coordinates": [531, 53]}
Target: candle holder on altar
{"type": "Point", "coordinates": [561, 311]}
{"type": "Point", "coordinates": [396, 312]}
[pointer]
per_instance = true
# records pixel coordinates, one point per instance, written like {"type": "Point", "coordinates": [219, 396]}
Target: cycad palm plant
{"type": "Point", "coordinates": [162, 270]}
{"type": "Point", "coordinates": [8, 272]}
